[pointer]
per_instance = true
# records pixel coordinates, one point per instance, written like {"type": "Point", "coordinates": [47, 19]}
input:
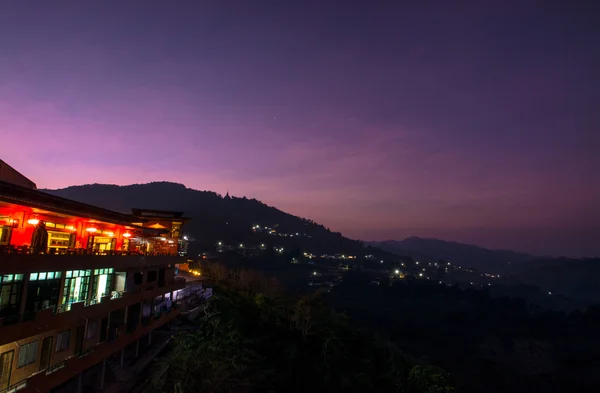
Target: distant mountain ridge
{"type": "Point", "coordinates": [214, 218]}
{"type": "Point", "coordinates": [471, 256]}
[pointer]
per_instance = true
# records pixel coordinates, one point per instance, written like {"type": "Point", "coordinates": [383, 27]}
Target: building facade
{"type": "Point", "coordinates": [79, 285]}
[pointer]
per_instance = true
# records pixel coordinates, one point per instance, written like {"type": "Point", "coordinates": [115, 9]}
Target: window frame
{"type": "Point", "coordinates": [59, 340]}
{"type": "Point", "coordinates": [25, 349]}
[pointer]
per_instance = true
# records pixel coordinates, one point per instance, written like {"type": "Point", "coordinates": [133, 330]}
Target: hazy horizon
{"type": "Point", "coordinates": [502, 240]}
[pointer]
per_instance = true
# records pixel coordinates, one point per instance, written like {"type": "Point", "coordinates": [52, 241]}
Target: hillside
{"type": "Point", "coordinates": [475, 257]}
{"type": "Point", "coordinates": [215, 218]}
{"type": "Point", "coordinates": [575, 278]}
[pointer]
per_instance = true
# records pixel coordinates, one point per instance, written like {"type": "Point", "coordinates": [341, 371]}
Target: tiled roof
{"type": "Point", "coordinates": [12, 193]}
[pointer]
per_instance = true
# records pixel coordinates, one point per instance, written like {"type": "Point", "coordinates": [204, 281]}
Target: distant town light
{"type": "Point", "coordinates": [420, 274]}
{"type": "Point", "coordinates": [417, 262]}
{"type": "Point", "coordinates": [397, 271]}
{"type": "Point", "coordinates": [314, 273]}
{"type": "Point", "coordinates": [219, 243]}
{"type": "Point", "coordinates": [549, 293]}
{"type": "Point", "coordinates": [185, 238]}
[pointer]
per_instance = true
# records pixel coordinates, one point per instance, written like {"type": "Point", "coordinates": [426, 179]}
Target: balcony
{"type": "Point", "coordinates": [17, 327]}
{"type": "Point", "coordinates": [70, 367]}
{"type": "Point", "coordinates": [15, 262]}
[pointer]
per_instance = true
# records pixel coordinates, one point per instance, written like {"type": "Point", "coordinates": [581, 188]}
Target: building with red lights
{"type": "Point", "coordinates": [79, 285]}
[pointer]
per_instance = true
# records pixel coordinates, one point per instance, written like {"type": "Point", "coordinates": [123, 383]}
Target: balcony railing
{"type": "Point", "coordinates": [16, 387]}
{"type": "Point", "coordinates": [30, 315]}
{"type": "Point", "coordinates": [25, 250]}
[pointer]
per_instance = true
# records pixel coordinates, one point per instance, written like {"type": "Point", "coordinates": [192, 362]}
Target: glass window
{"type": "Point", "coordinates": [62, 340]}
{"type": "Point", "coordinates": [27, 354]}
{"type": "Point", "coordinates": [33, 276]}
{"type": "Point", "coordinates": [42, 276]}
{"type": "Point", "coordinates": [92, 328]}
{"type": "Point", "coordinates": [18, 277]}
{"type": "Point", "coordinates": [69, 274]}
{"type": "Point", "coordinates": [50, 275]}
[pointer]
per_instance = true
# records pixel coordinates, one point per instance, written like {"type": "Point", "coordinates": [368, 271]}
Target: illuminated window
{"type": "Point", "coordinates": [7, 278]}
{"type": "Point", "coordinates": [76, 287]}
{"type": "Point", "coordinates": [41, 276]}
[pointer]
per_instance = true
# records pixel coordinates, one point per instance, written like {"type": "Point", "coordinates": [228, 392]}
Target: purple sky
{"type": "Point", "coordinates": [468, 122]}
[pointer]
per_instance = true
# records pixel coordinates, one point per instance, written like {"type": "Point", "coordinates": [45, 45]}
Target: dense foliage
{"type": "Point", "coordinates": [488, 344]}
{"type": "Point", "coordinates": [253, 340]}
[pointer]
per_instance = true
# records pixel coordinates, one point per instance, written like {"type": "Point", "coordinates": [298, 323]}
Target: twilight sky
{"type": "Point", "coordinates": [475, 121]}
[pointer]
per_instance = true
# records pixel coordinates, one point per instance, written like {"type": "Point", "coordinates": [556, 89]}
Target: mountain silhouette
{"type": "Point", "coordinates": [215, 218]}
{"type": "Point", "coordinates": [482, 259]}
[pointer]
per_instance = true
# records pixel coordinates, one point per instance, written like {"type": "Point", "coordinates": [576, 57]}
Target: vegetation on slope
{"type": "Point", "coordinates": [214, 218]}
{"type": "Point", "coordinates": [488, 344]}
{"type": "Point", "coordinates": [253, 340]}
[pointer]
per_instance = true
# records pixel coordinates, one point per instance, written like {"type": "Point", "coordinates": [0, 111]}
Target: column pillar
{"type": "Point", "coordinates": [122, 357]}
{"type": "Point", "coordinates": [79, 382]}
{"type": "Point", "coordinates": [23, 296]}
{"type": "Point", "coordinates": [102, 374]}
